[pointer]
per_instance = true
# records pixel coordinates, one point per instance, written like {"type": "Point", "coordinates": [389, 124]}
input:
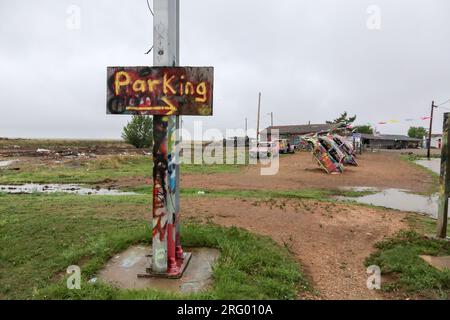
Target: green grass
{"type": "Point", "coordinates": [41, 235]}
{"type": "Point", "coordinates": [399, 255]}
{"type": "Point", "coordinates": [314, 194]}
{"type": "Point", "coordinates": [58, 143]}
{"type": "Point", "coordinates": [100, 170]}
{"type": "Point", "coordinates": [422, 224]}
{"type": "Point", "coordinates": [434, 187]}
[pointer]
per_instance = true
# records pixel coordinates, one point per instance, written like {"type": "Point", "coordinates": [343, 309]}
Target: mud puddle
{"type": "Point", "coordinates": [398, 199]}
{"type": "Point", "coordinates": [432, 164]}
{"type": "Point", "coordinates": [64, 188]}
{"type": "Point", "coordinates": [7, 163]}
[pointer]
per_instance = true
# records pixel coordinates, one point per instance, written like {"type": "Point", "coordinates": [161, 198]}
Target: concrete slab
{"type": "Point", "coordinates": [439, 263]}
{"type": "Point", "coordinates": [122, 270]}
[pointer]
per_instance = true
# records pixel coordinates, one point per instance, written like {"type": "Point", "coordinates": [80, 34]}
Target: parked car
{"type": "Point", "coordinates": [265, 149]}
{"type": "Point", "coordinates": [285, 146]}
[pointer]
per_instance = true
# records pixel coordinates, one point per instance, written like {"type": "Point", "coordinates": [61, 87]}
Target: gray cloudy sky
{"type": "Point", "coordinates": [311, 59]}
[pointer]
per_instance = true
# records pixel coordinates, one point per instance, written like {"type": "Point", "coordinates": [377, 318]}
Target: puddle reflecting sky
{"type": "Point", "coordinates": [433, 164]}
{"type": "Point", "coordinates": [65, 188]}
{"type": "Point", "coordinates": [400, 200]}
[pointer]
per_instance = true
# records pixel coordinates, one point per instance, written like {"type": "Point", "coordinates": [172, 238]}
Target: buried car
{"type": "Point", "coordinates": [347, 149]}
{"type": "Point", "coordinates": [326, 155]}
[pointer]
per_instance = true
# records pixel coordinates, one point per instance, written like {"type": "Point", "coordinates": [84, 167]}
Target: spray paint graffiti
{"type": "Point", "coordinates": [165, 93]}
{"type": "Point", "coordinates": [160, 90]}
{"type": "Point", "coordinates": [444, 180]}
{"type": "Point", "coordinates": [165, 200]}
{"type": "Point", "coordinates": [160, 216]}
{"type": "Point", "coordinates": [330, 150]}
{"type": "Point", "coordinates": [322, 155]}
{"type": "Point", "coordinates": [346, 147]}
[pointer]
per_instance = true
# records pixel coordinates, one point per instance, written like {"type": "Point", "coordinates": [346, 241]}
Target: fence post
{"type": "Point", "coordinates": [444, 188]}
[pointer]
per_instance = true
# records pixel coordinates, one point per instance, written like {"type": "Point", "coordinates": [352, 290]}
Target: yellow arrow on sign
{"type": "Point", "coordinates": [169, 106]}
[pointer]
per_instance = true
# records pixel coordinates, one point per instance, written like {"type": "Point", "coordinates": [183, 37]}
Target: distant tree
{"type": "Point", "coordinates": [344, 118]}
{"type": "Point", "coordinates": [139, 132]}
{"type": "Point", "coordinates": [417, 132]}
{"type": "Point", "coordinates": [367, 128]}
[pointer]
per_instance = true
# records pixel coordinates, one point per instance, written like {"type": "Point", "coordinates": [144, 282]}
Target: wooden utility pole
{"type": "Point", "coordinates": [429, 131]}
{"type": "Point", "coordinates": [444, 180]}
{"type": "Point", "coordinates": [257, 120]}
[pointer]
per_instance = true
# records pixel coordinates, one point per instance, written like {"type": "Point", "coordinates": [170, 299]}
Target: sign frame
{"type": "Point", "coordinates": [143, 90]}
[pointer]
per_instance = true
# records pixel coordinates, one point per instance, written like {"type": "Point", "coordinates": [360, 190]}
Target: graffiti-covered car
{"type": "Point", "coordinates": [347, 149]}
{"type": "Point", "coordinates": [265, 149]}
{"type": "Point", "coordinates": [325, 154]}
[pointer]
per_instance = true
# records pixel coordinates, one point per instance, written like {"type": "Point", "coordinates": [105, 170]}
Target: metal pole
{"type": "Point", "coordinates": [245, 126]}
{"type": "Point", "coordinates": [257, 121]}
{"type": "Point", "coordinates": [166, 244]}
{"type": "Point", "coordinates": [444, 180]}
{"type": "Point", "coordinates": [429, 131]}
{"type": "Point", "coordinates": [271, 119]}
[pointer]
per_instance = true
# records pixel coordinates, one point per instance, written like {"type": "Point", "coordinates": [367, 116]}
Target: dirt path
{"type": "Point", "coordinates": [331, 241]}
{"type": "Point", "coordinates": [298, 171]}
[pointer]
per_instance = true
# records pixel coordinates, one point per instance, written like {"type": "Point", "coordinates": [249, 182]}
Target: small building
{"type": "Point", "coordinates": [389, 141]}
{"type": "Point", "coordinates": [436, 141]}
{"type": "Point", "coordinates": [293, 132]}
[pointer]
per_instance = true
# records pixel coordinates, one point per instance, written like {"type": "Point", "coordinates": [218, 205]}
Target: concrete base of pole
{"type": "Point", "coordinates": [181, 263]}
{"type": "Point", "coordinates": [121, 270]}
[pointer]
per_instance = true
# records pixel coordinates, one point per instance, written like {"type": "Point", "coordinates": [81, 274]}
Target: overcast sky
{"type": "Point", "coordinates": [311, 59]}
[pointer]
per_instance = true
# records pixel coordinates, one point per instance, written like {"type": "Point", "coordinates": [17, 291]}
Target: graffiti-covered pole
{"type": "Point", "coordinates": [166, 244]}
{"type": "Point", "coordinates": [444, 181]}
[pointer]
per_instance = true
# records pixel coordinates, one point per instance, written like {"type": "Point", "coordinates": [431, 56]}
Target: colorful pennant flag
{"type": "Point", "coordinates": [393, 121]}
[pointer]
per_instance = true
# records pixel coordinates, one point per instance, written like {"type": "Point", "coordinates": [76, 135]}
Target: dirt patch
{"type": "Point", "coordinates": [330, 240]}
{"type": "Point", "coordinates": [298, 171]}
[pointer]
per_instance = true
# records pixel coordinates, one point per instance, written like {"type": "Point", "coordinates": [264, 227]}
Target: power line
{"type": "Point", "coordinates": [440, 104]}
{"type": "Point", "coordinates": [149, 8]}
{"type": "Point", "coordinates": [151, 11]}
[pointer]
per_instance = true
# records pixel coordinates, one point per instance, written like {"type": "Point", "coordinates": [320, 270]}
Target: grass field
{"type": "Point", "coordinates": [41, 235]}
{"type": "Point", "coordinates": [398, 256]}
{"type": "Point", "coordinates": [54, 143]}
{"type": "Point", "coordinates": [100, 170]}
{"type": "Point", "coordinates": [411, 158]}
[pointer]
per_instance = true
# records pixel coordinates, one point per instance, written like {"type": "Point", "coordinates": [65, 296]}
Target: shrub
{"type": "Point", "coordinates": [139, 132]}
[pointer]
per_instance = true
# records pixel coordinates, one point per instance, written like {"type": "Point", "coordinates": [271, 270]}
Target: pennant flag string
{"type": "Point", "coordinates": [393, 121]}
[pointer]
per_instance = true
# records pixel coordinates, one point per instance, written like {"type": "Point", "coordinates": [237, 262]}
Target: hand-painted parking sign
{"type": "Point", "coordinates": [160, 90]}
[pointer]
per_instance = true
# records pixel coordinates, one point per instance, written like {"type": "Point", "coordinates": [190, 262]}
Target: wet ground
{"type": "Point", "coordinates": [440, 263]}
{"type": "Point", "coordinates": [64, 188]}
{"type": "Point", "coordinates": [7, 163]}
{"type": "Point", "coordinates": [122, 271]}
{"type": "Point", "coordinates": [432, 164]}
{"type": "Point", "coordinates": [399, 199]}
{"type": "Point", "coordinates": [330, 240]}
{"type": "Point", "coordinates": [299, 171]}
